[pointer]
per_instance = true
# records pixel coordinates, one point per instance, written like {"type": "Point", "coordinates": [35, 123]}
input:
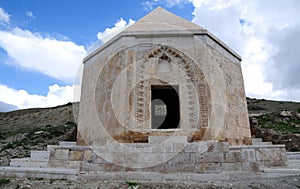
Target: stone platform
{"type": "Point", "coordinates": [162, 155]}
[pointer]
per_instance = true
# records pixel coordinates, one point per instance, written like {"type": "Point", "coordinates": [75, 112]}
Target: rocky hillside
{"type": "Point", "coordinates": [33, 129]}
{"type": "Point", "coordinates": [275, 121]}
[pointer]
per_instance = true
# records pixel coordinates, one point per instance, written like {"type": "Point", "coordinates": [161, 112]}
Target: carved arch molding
{"type": "Point", "coordinates": [135, 58]}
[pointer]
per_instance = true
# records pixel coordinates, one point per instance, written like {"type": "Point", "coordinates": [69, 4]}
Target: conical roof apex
{"type": "Point", "coordinates": [162, 20]}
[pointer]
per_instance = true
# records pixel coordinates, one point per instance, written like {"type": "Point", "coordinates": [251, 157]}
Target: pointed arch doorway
{"type": "Point", "coordinates": [165, 107]}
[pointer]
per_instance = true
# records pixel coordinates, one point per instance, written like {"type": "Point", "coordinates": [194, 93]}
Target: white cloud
{"type": "Point", "coordinates": [29, 13]}
{"type": "Point", "coordinates": [57, 95]}
{"type": "Point", "coordinates": [52, 57]}
{"type": "Point", "coordinates": [4, 16]}
{"type": "Point", "coordinates": [109, 33]}
{"type": "Point", "coordinates": [266, 35]}
{"type": "Point", "coordinates": [149, 5]}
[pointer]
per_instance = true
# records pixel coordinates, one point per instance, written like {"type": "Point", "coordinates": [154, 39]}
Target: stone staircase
{"type": "Point", "coordinates": [37, 159]}
{"type": "Point", "coordinates": [293, 161]}
{"type": "Point", "coordinates": [68, 160]}
{"type": "Point", "coordinates": [293, 158]}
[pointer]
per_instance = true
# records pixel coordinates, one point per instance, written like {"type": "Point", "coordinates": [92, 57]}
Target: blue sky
{"type": "Point", "coordinates": [42, 43]}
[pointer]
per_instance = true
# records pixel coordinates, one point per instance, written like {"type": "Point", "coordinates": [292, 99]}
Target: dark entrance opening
{"type": "Point", "coordinates": [165, 108]}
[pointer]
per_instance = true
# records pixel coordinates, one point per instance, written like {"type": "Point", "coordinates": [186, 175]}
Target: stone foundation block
{"type": "Point", "coordinates": [73, 164]}
{"type": "Point", "coordinates": [233, 156]}
{"type": "Point", "coordinates": [196, 147]}
{"type": "Point", "coordinates": [274, 163]}
{"type": "Point", "coordinates": [232, 166]}
{"type": "Point", "coordinates": [162, 148]}
{"type": "Point", "coordinates": [39, 155]}
{"type": "Point", "coordinates": [248, 155]}
{"type": "Point", "coordinates": [76, 155]}
{"type": "Point", "coordinates": [107, 167]}
{"type": "Point", "coordinates": [196, 157]}
{"type": "Point", "coordinates": [87, 155]}
{"type": "Point", "coordinates": [141, 168]}
{"type": "Point", "coordinates": [269, 154]}
{"type": "Point", "coordinates": [23, 162]}
{"type": "Point", "coordinates": [62, 154]}
{"type": "Point", "coordinates": [27, 163]}
{"type": "Point", "coordinates": [208, 157]}
{"type": "Point", "coordinates": [179, 147]}
{"type": "Point", "coordinates": [213, 157]}
{"type": "Point", "coordinates": [110, 167]}
{"type": "Point", "coordinates": [217, 147]}
{"type": "Point", "coordinates": [207, 168]}
{"type": "Point", "coordinates": [250, 166]}
{"type": "Point", "coordinates": [96, 158]}
{"type": "Point", "coordinates": [149, 158]}
{"type": "Point", "coordinates": [169, 139]}
{"type": "Point", "coordinates": [57, 163]}
{"type": "Point", "coordinates": [175, 167]}
{"type": "Point", "coordinates": [66, 143]}
{"type": "Point", "coordinates": [181, 157]}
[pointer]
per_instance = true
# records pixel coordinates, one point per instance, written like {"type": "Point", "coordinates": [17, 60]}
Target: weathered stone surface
{"type": "Point", "coordinates": [233, 156]}
{"type": "Point", "coordinates": [232, 166]}
{"type": "Point", "coordinates": [160, 139]}
{"type": "Point", "coordinates": [269, 154]}
{"type": "Point", "coordinates": [176, 167]}
{"type": "Point", "coordinates": [76, 155]}
{"type": "Point", "coordinates": [61, 154]}
{"type": "Point", "coordinates": [39, 155]}
{"type": "Point", "coordinates": [250, 166]}
{"type": "Point", "coordinates": [120, 76]}
{"type": "Point", "coordinates": [183, 158]}
{"type": "Point", "coordinates": [248, 155]}
{"type": "Point", "coordinates": [207, 168]}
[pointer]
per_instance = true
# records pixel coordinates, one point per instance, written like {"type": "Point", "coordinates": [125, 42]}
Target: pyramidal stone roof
{"type": "Point", "coordinates": [162, 20]}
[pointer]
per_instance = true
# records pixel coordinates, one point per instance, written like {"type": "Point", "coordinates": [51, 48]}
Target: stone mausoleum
{"type": "Point", "coordinates": [163, 75]}
{"type": "Point", "coordinates": [164, 96]}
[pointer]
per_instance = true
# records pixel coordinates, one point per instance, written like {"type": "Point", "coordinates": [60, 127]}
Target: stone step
{"type": "Point", "coordinates": [15, 162]}
{"type": "Point", "coordinates": [293, 164]}
{"type": "Point", "coordinates": [286, 171]}
{"type": "Point", "coordinates": [265, 143]}
{"type": "Point", "coordinates": [66, 143]}
{"type": "Point", "coordinates": [173, 139]}
{"type": "Point", "coordinates": [49, 173]}
{"type": "Point", "coordinates": [26, 162]}
{"type": "Point", "coordinates": [293, 155]}
{"type": "Point", "coordinates": [256, 140]}
{"type": "Point", "coordinates": [39, 155]}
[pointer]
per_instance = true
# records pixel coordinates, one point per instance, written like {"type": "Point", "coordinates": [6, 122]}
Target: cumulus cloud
{"type": "Point", "coordinates": [149, 5]}
{"type": "Point", "coordinates": [56, 58]}
{"type": "Point", "coordinates": [4, 16]}
{"type": "Point", "coordinates": [109, 33]}
{"type": "Point", "coordinates": [57, 95]}
{"type": "Point", "coordinates": [50, 56]}
{"type": "Point", "coordinates": [29, 13]}
{"type": "Point", "coordinates": [265, 35]}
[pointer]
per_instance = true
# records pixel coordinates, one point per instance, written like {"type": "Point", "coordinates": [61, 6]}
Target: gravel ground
{"type": "Point", "coordinates": [289, 182]}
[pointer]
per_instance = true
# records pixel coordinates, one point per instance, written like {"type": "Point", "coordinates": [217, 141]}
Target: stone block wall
{"type": "Point", "coordinates": [166, 155]}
